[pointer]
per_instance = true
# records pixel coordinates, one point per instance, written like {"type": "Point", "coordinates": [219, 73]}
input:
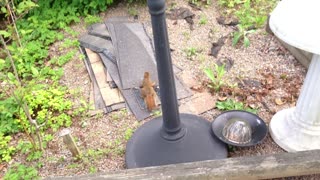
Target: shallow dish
{"type": "Point", "coordinates": [259, 128]}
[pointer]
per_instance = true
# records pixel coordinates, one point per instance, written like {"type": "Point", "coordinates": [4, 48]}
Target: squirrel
{"type": "Point", "coordinates": [147, 92]}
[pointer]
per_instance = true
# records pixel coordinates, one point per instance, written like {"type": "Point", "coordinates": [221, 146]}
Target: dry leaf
{"type": "Point", "coordinates": [253, 106]}
{"type": "Point", "coordinates": [198, 88]}
{"type": "Point", "coordinates": [259, 98]}
{"type": "Point", "coordinates": [278, 101]}
{"type": "Point", "coordinates": [269, 80]}
{"type": "Point", "coordinates": [222, 98]}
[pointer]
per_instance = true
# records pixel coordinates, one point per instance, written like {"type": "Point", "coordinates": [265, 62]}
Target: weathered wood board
{"type": "Point", "coordinates": [109, 95]}
{"type": "Point", "coordinates": [257, 167]}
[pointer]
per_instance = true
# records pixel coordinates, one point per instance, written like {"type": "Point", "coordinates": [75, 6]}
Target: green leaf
{"type": "Point", "coordinates": [251, 31]}
{"type": "Point", "coordinates": [4, 33]}
{"type": "Point", "coordinates": [246, 41]}
{"type": "Point", "coordinates": [34, 71]}
{"type": "Point", "coordinates": [210, 74]}
{"type": "Point", "coordinates": [3, 10]}
{"type": "Point", "coordinates": [2, 64]}
{"type": "Point", "coordinates": [220, 71]}
{"type": "Point", "coordinates": [236, 38]}
{"type": "Point", "coordinates": [11, 76]}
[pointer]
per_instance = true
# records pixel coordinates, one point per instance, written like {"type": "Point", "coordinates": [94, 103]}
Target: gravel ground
{"type": "Point", "coordinates": [102, 138]}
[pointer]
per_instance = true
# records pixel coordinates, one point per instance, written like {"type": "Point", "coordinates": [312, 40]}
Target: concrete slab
{"type": "Point", "coordinates": [198, 103]}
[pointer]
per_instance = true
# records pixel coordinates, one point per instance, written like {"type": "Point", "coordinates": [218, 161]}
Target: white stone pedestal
{"type": "Point", "coordinates": [298, 129]}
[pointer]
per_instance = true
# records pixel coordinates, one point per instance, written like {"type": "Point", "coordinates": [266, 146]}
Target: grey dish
{"type": "Point", "coordinates": [239, 128]}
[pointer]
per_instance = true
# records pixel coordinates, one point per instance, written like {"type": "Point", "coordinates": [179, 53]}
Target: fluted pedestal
{"type": "Point", "coordinates": [298, 129]}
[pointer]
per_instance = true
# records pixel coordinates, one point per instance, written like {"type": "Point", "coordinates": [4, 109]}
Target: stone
{"type": "Point", "coordinates": [198, 103]}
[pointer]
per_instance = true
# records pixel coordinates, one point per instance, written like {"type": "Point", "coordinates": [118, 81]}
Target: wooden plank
{"type": "Point", "coordinates": [110, 96]}
{"type": "Point", "coordinates": [258, 167]}
{"type": "Point", "coordinates": [98, 70]}
{"type": "Point", "coordinates": [99, 103]}
{"type": "Point", "coordinates": [93, 57]}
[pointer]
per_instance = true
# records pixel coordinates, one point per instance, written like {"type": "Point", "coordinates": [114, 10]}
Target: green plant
{"type": "Point", "coordinates": [133, 11]}
{"type": "Point", "coordinates": [203, 20]}
{"type": "Point", "coordinates": [73, 166]}
{"type": "Point", "coordinates": [118, 114]}
{"type": "Point", "coordinates": [69, 43]}
{"type": "Point", "coordinates": [231, 148]}
{"type": "Point", "coordinates": [136, 1]}
{"type": "Point", "coordinates": [31, 99]}
{"type": "Point", "coordinates": [229, 3]}
{"type": "Point", "coordinates": [230, 104]}
{"type": "Point", "coordinates": [34, 155]}
{"type": "Point", "coordinates": [128, 134]}
{"type": "Point", "coordinates": [251, 15]}
{"type": "Point", "coordinates": [186, 35]}
{"type": "Point", "coordinates": [92, 169]}
{"type": "Point", "coordinates": [5, 150]}
{"type": "Point", "coordinates": [191, 52]}
{"type": "Point", "coordinates": [25, 147]}
{"type": "Point", "coordinates": [241, 33]}
{"type": "Point", "coordinates": [90, 19]}
{"type": "Point", "coordinates": [157, 113]}
{"type": "Point", "coordinates": [215, 76]}
{"type": "Point", "coordinates": [63, 59]}
{"type": "Point", "coordinates": [199, 2]}
{"type": "Point", "coordinates": [21, 172]}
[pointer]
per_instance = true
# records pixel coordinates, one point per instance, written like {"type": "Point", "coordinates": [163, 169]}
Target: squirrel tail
{"type": "Point", "coordinates": [150, 102]}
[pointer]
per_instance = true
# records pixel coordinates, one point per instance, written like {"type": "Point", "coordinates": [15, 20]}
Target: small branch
{"type": "Point", "coordinates": [11, 60]}
{"type": "Point", "coordinates": [12, 15]}
{"type": "Point", "coordinates": [32, 122]}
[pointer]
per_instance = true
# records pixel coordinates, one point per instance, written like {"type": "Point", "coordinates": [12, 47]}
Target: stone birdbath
{"type": "Point", "coordinates": [296, 22]}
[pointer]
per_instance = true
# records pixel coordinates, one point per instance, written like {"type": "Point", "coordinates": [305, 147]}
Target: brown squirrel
{"type": "Point", "coordinates": [147, 92]}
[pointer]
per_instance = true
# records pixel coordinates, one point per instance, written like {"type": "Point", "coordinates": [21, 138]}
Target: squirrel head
{"type": "Point", "coordinates": [146, 74]}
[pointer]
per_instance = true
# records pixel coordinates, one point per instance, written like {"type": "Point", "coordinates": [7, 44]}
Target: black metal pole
{"type": "Point", "coordinates": [169, 104]}
{"type": "Point", "coordinates": [148, 147]}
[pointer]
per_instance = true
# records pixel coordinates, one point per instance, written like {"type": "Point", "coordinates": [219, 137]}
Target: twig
{"type": "Point", "coordinates": [11, 60]}
{"type": "Point", "coordinates": [12, 15]}
{"type": "Point", "coordinates": [32, 121]}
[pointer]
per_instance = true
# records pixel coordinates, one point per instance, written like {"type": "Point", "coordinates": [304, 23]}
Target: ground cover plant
{"type": "Point", "coordinates": [32, 100]}
{"type": "Point", "coordinates": [251, 14]}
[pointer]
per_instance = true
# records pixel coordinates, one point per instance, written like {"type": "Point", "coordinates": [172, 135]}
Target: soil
{"type": "Point", "coordinates": [102, 138]}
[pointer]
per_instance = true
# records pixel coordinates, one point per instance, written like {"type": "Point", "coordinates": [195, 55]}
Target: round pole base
{"type": "Point", "coordinates": [147, 147]}
{"type": "Point", "coordinates": [292, 136]}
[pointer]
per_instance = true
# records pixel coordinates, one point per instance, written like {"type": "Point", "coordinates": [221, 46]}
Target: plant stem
{"type": "Point", "coordinates": [12, 15]}
{"type": "Point", "coordinates": [11, 60]}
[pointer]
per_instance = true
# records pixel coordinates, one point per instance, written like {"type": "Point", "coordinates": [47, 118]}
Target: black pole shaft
{"type": "Point", "coordinates": [169, 103]}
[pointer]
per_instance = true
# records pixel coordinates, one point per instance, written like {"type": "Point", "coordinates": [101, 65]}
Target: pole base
{"type": "Point", "coordinates": [147, 147]}
{"type": "Point", "coordinates": [293, 135]}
